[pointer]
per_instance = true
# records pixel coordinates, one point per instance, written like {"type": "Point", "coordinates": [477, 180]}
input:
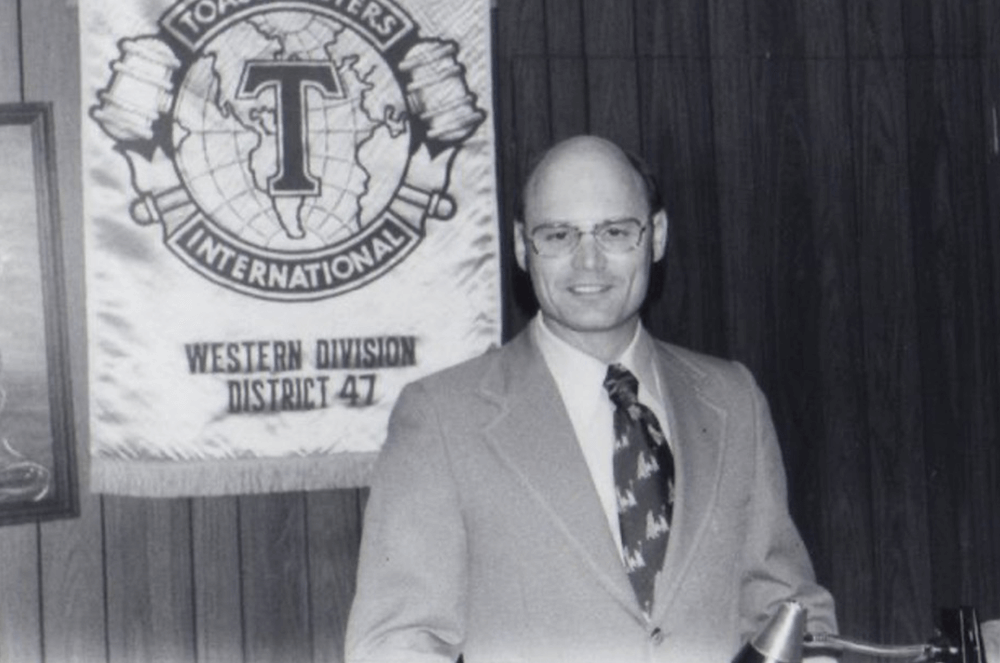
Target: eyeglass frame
{"type": "Point", "coordinates": [580, 233]}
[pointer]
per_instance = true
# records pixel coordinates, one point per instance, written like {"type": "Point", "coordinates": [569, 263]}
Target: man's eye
{"type": "Point", "coordinates": [555, 235]}
{"type": "Point", "coordinates": [618, 232]}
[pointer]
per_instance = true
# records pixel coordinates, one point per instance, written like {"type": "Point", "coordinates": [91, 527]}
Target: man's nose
{"type": "Point", "coordinates": [588, 253]}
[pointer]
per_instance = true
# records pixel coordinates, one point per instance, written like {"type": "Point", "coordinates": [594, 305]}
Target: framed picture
{"type": "Point", "coordinates": [38, 474]}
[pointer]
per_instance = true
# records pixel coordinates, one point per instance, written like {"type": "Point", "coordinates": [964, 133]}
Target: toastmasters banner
{"type": "Point", "coordinates": [290, 213]}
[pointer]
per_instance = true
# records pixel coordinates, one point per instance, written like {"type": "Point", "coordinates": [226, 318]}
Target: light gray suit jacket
{"type": "Point", "coordinates": [484, 534]}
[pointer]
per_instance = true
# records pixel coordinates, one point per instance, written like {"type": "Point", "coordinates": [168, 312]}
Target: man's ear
{"type": "Point", "coordinates": [520, 246]}
{"type": "Point", "coordinates": [660, 224]}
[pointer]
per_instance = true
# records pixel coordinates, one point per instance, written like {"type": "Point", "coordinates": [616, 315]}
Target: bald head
{"type": "Point", "coordinates": [593, 164]}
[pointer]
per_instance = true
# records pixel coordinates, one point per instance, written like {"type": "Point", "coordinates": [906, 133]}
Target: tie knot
{"type": "Point", "coordinates": [622, 386]}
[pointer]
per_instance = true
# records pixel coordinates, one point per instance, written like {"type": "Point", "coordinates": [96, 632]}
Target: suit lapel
{"type": "Point", "coordinates": [534, 437]}
{"type": "Point", "coordinates": [697, 425]}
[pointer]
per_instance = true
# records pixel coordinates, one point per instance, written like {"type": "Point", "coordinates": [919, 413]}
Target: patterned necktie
{"type": "Point", "coordinates": [644, 480]}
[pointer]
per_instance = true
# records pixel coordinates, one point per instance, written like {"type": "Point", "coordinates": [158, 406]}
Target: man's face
{"type": "Point", "coordinates": [589, 297]}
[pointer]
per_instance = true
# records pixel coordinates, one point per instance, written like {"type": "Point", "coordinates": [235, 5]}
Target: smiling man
{"type": "Point", "coordinates": [588, 241]}
{"type": "Point", "coordinates": [586, 492]}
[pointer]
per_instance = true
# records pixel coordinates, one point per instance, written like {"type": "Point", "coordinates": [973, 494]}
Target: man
{"type": "Point", "coordinates": [500, 521]}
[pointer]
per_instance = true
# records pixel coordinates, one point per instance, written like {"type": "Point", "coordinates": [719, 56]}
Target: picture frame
{"type": "Point", "coordinates": [38, 472]}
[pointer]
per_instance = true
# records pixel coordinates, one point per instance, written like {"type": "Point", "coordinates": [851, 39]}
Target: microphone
{"type": "Point", "coordinates": [781, 639]}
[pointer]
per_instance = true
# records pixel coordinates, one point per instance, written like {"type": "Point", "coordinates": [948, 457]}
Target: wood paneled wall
{"type": "Point", "coordinates": [832, 171]}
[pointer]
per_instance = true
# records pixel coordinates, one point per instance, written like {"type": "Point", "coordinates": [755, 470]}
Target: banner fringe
{"type": "Point", "coordinates": [230, 477]}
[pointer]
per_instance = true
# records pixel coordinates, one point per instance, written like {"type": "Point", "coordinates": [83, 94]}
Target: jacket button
{"type": "Point", "coordinates": [656, 636]}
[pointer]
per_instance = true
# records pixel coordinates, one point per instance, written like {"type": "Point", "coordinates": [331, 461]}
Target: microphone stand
{"type": "Point", "coordinates": [959, 640]}
{"type": "Point", "coordinates": [925, 652]}
{"type": "Point", "coordinates": [784, 637]}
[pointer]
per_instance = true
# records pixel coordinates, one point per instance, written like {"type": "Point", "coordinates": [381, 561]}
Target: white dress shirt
{"type": "Point", "coordinates": [580, 379]}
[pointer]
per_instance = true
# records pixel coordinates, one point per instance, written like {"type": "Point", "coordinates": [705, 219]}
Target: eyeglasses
{"type": "Point", "coordinates": [552, 240]}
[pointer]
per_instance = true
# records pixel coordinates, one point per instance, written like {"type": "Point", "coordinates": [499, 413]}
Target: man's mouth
{"type": "Point", "coordinates": [589, 288]}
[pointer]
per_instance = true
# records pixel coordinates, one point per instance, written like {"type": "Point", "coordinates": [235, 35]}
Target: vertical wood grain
{"type": "Point", "coordinates": [786, 247]}
{"type": "Point", "coordinates": [986, 498]}
{"type": "Point", "coordinates": [824, 24]}
{"type": "Point", "coordinates": [875, 29]}
{"type": "Point", "coordinates": [837, 376]}
{"type": "Point", "coordinates": [218, 613]}
{"type": "Point", "coordinates": [10, 55]}
{"type": "Point", "coordinates": [935, 239]}
{"type": "Point", "coordinates": [609, 28]}
{"type": "Point", "coordinates": [989, 28]}
{"type": "Point", "coordinates": [334, 525]}
{"type": "Point", "coordinates": [614, 97]}
{"type": "Point", "coordinates": [20, 626]}
{"type": "Point", "coordinates": [524, 128]}
{"type": "Point", "coordinates": [614, 100]}
{"type": "Point", "coordinates": [570, 114]}
{"type": "Point", "coordinates": [780, 246]}
{"type": "Point", "coordinates": [673, 50]}
{"type": "Point", "coordinates": [784, 258]}
{"type": "Point", "coordinates": [678, 29]}
{"type": "Point", "coordinates": [776, 28]}
{"type": "Point", "coordinates": [149, 575]}
{"type": "Point", "coordinates": [735, 162]}
{"type": "Point", "coordinates": [959, 328]}
{"type": "Point", "coordinates": [901, 572]}
{"type": "Point", "coordinates": [686, 298]}
{"type": "Point", "coordinates": [934, 28]}
{"type": "Point", "coordinates": [528, 84]}
{"type": "Point", "coordinates": [727, 25]}
{"type": "Point", "coordinates": [72, 571]}
{"type": "Point", "coordinates": [734, 170]}
{"type": "Point", "coordinates": [840, 467]}
{"type": "Point", "coordinates": [275, 578]}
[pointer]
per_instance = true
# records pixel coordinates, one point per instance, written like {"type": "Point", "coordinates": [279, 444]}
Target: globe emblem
{"type": "Point", "coordinates": [227, 141]}
{"type": "Point", "coordinates": [278, 150]}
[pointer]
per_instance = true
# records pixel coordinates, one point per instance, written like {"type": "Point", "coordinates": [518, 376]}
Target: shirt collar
{"type": "Point", "coordinates": [580, 376]}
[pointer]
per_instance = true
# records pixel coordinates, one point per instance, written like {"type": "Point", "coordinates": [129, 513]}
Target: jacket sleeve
{"type": "Point", "coordinates": [776, 564]}
{"type": "Point", "coordinates": [411, 587]}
